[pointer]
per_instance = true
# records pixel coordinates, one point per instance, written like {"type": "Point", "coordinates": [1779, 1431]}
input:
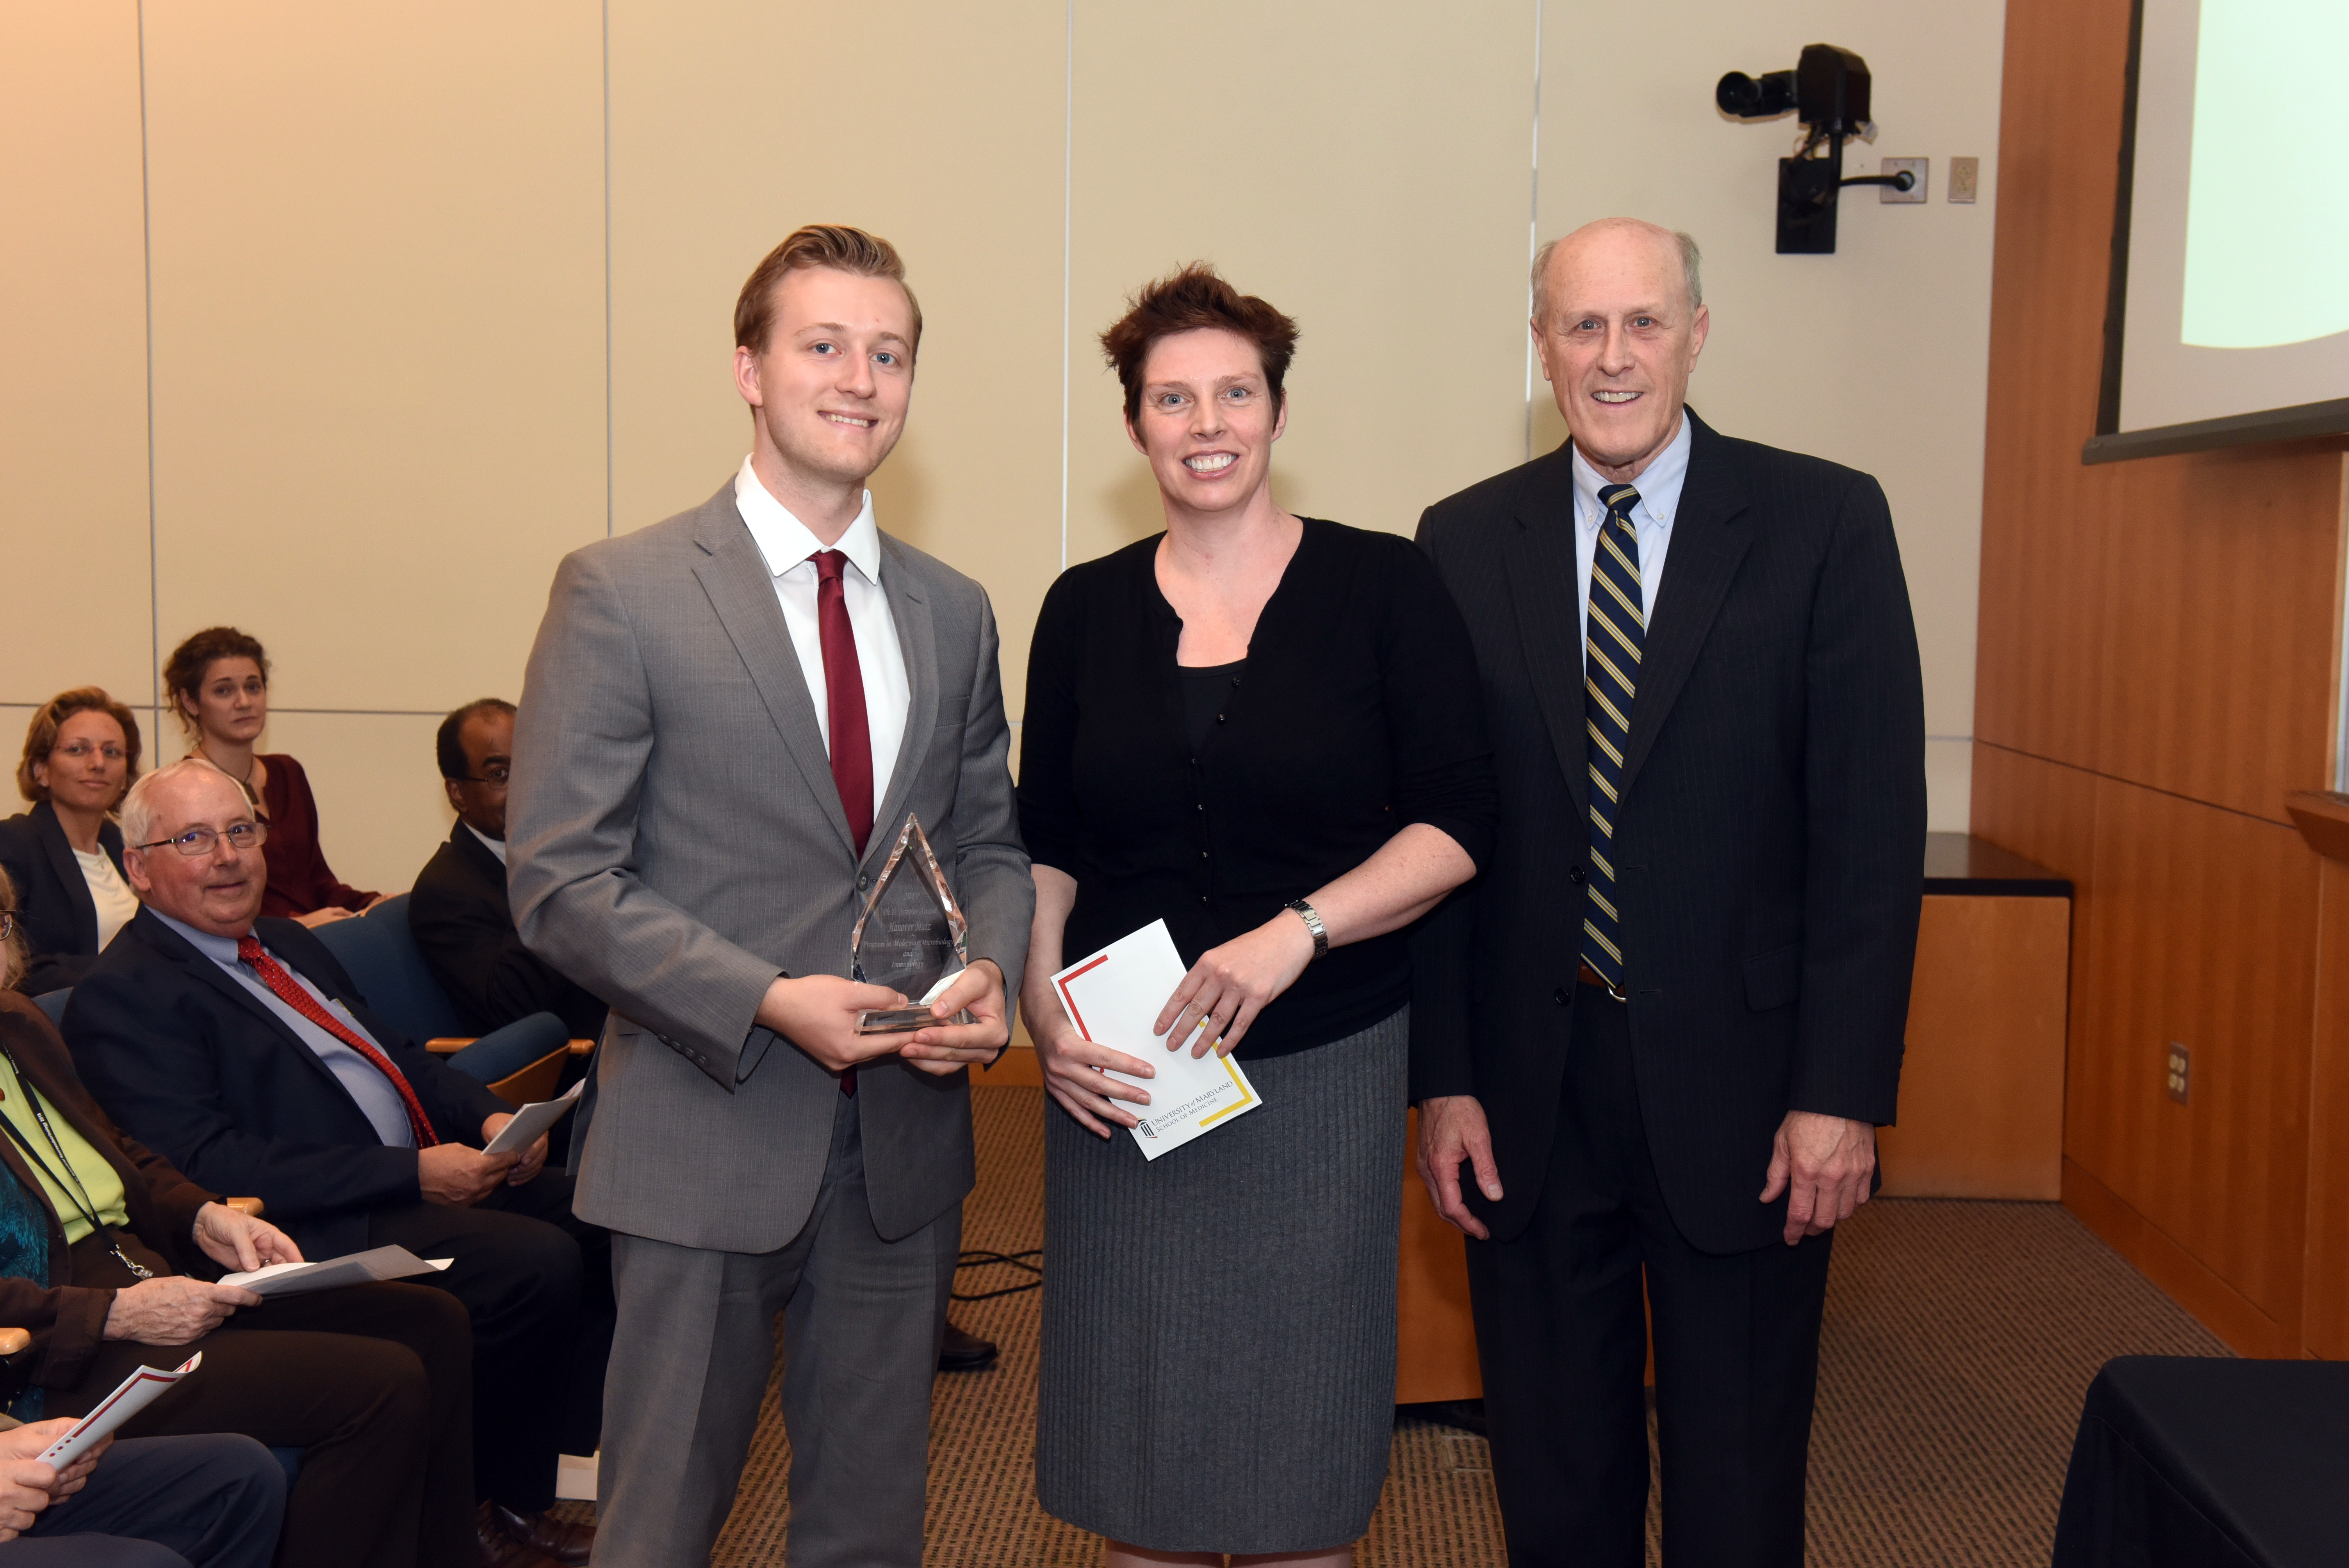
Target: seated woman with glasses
{"type": "Point", "coordinates": [81, 752]}
{"type": "Point", "coordinates": [219, 682]}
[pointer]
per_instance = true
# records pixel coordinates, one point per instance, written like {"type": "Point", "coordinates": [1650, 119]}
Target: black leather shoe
{"type": "Point", "coordinates": [560, 1540]}
{"type": "Point", "coordinates": [500, 1550]}
{"type": "Point", "coordinates": [965, 1351]}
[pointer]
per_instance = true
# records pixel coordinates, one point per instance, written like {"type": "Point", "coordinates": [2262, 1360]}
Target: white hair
{"type": "Point", "coordinates": [138, 812]}
{"type": "Point", "coordinates": [1692, 262]}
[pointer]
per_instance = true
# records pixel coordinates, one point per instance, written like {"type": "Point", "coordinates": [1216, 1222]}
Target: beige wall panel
{"type": "Point", "coordinates": [73, 315]}
{"type": "Point", "coordinates": [378, 295]}
{"type": "Point", "coordinates": [1878, 355]}
{"type": "Point", "coordinates": [1368, 175]}
{"type": "Point", "coordinates": [938, 126]}
{"type": "Point", "coordinates": [381, 810]}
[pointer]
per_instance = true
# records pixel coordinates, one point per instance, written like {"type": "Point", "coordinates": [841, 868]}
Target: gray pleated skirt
{"type": "Point", "coordinates": [1219, 1326]}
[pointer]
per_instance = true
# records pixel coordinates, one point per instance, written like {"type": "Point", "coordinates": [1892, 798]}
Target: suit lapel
{"type": "Point", "coordinates": [917, 642]}
{"type": "Point", "coordinates": [1544, 582]}
{"type": "Point", "coordinates": [1708, 544]}
{"type": "Point", "coordinates": [743, 592]}
{"type": "Point", "coordinates": [68, 867]}
{"type": "Point", "coordinates": [176, 948]}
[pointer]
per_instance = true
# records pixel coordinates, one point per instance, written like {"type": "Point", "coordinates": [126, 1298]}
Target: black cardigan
{"type": "Point", "coordinates": [1357, 714]}
{"type": "Point", "coordinates": [54, 909]}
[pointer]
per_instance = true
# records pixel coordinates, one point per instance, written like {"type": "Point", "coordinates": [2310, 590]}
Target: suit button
{"type": "Point", "coordinates": [861, 880]}
{"type": "Point", "coordinates": [1203, 898]}
{"type": "Point", "coordinates": [1559, 996]}
{"type": "Point", "coordinates": [1574, 876]}
{"type": "Point", "coordinates": [1203, 854]}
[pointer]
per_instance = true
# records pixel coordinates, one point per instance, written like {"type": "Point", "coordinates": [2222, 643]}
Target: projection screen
{"type": "Point", "coordinates": [2228, 317]}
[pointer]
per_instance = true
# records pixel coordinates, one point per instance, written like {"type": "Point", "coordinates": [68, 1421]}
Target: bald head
{"type": "Point", "coordinates": [217, 889]}
{"type": "Point", "coordinates": [1619, 321]}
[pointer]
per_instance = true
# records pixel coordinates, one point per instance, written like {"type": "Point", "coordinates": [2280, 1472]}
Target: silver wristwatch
{"type": "Point", "coordinates": [1313, 919]}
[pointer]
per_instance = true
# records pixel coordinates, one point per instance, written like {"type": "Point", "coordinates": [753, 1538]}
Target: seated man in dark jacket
{"type": "Point", "coordinates": [240, 1051]}
{"type": "Point", "coordinates": [458, 910]}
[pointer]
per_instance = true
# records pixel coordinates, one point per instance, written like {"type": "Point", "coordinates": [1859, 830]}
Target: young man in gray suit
{"type": "Point", "coordinates": [727, 718]}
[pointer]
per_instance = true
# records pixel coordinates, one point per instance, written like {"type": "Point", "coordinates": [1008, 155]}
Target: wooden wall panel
{"type": "Point", "coordinates": [2204, 933]}
{"type": "Point", "coordinates": [2219, 608]}
{"type": "Point", "coordinates": [2324, 1325]}
{"type": "Point", "coordinates": [2045, 518]}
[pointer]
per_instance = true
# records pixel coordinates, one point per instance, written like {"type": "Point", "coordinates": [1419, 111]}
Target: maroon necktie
{"type": "Point", "coordinates": [289, 990]}
{"type": "Point", "coordinates": [843, 685]}
{"type": "Point", "coordinates": [844, 693]}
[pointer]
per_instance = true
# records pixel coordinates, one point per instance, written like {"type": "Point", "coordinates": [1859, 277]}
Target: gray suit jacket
{"type": "Point", "coordinates": [675, 841]}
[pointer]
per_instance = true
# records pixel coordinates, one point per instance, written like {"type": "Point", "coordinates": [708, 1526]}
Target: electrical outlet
{"type": "Point", "coordinates": [1922, 168]}
{"type": "Point", "coordinates": [1965, 175]}
{"type": "Point", "coordinates": [2181, 1062]}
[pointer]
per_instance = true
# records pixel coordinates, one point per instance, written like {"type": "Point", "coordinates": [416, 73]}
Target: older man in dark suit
{"type": "Point", "coordinates": [1661, 1030]}
{"type": "Point", "coordinates": [239, 1049]}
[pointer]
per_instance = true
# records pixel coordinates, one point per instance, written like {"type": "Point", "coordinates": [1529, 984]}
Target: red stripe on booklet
{"type": "Point", "coordinates": [1069, 997]}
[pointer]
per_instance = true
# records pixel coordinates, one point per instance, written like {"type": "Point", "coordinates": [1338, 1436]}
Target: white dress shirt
{"type": "Point", "coordinates": [1658, 485]}
{"type": "Point", "coordinates": [360, 1079]}
{"type": "Point", "coordinates": [790, 551]}
{"type": "Point", "coordinates": [495, 846]}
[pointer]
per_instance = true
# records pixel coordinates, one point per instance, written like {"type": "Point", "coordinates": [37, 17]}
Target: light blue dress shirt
{"type": "Point", "coordinates": [1658, 485]}
{"type": "Point", "coordinates": [360, 1079]}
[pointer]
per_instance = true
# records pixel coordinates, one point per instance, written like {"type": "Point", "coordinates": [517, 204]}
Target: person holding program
{"type": "Point", "coordinates": [1262, 730]}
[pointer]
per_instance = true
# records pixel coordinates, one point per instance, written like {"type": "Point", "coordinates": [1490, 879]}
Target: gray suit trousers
{"type": "Point", "coordinates": [689, 1366]}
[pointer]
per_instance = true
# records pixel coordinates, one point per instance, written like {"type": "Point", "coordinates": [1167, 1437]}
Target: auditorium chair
{"type": "Point", "coordinates": [520, 1062]}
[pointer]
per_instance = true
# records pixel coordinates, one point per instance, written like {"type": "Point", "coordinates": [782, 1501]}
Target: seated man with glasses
{"type": "Point", "coordinates": [239, 1049]}
{"type": "Point", "coordinates": [458, 912]}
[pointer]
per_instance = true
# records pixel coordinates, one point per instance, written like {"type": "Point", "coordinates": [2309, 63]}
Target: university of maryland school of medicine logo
{"type": "Point", "coordinates": [1142, 1125]}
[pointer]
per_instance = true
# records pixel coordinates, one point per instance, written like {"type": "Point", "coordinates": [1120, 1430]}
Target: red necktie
{"type": "Point", "coordinates": [289, 990]}
{"type": "Point", "coordinates": [843, 688]}
{"type": "Point", "coordinates": [844, 693]}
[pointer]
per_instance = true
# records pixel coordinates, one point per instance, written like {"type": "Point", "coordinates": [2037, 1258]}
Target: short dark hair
{"type": "Point", "coordinates": [448, 742]}
{"type": "Point", "coordinates": [1194, 297]}
{"type": "Point", "coordinates": [833, 245]}
{"type": "Point", "coordinates": [41, 736]}
{"type": "Point", "coordinates": [185, 671]}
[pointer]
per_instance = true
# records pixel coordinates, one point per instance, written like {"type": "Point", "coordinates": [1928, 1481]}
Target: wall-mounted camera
{"type": "Point", "coordinates": [1827, 94]}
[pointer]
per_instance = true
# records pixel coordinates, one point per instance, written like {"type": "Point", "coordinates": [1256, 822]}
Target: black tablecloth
{"type": "Point", "coordinates": [2183, 1461]}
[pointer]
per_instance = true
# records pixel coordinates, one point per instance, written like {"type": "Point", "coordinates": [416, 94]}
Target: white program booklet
{"type": "Point", "coordinates": [1115, 998]}
{"type": "Point", "coordinates": [352, 1268]}
{"type": "Point", "coordinates": [130, 1396]}
{"type": "Point", "coordinates": [532, 1119]}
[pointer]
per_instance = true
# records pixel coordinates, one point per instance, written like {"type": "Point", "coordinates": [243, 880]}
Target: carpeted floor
{"type": "Point", "coordinates": [1960, 1339]}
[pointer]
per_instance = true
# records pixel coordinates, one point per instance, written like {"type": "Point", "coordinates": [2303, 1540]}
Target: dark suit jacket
{"type": "Point", "coordinates": [459, 915]}
{"type": "Point", "coordinates": [59, 917]}
{"type": "Point", "coordinates": [1769, 843]}
{"type": "Point", "coordinates": [185, 1058]}
{"type": "Point", "coordinates": [68, 1321]}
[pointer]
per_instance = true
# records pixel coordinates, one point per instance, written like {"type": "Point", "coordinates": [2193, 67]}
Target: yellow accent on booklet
{"type": "Point", "coordinates": [1115, 998]}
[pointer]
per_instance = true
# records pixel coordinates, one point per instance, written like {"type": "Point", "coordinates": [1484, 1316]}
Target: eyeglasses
{"type": "Point", "coordinates": [496, 773]}
{"type": "Point", "coordinates": [241, 836]}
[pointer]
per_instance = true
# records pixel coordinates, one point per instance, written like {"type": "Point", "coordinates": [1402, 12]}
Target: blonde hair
{"type": "Point", "coordinates": [836, 246]}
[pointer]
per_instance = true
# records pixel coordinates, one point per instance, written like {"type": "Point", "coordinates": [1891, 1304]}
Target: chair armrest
{"type": "Point", "coordinates": [581, 1047]}
{"type": "Point", "coordinates": [13, 1340]}
{"type": "Point", "coordinates": [249, 1207]}
{"type": "Point", "coordinates": [449, 1045]}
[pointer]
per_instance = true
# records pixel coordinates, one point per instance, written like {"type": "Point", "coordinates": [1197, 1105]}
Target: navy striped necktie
{"type": "Point", "coordinates": [1617, 629]}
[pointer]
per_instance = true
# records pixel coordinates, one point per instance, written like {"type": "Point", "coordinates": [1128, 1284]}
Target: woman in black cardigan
{"type": "Point", "coordinates": [65, 855]}
{"type": "Point", "coordinates": [1265, 730]}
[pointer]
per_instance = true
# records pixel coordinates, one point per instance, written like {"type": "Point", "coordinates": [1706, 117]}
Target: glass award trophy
{"type": "Point", "coordinates": [910, 937]}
